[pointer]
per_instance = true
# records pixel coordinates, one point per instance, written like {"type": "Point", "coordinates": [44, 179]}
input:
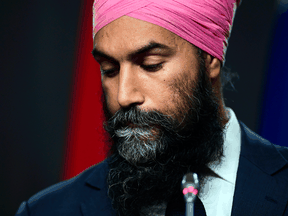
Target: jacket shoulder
{"type": "Point", "coordinates": [265, 155]}
{"type": "Point", "coordinates": [283, 150]}
{"type": "Point", "coordinates": [63, 196]}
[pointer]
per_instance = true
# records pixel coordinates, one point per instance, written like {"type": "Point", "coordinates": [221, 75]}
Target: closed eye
{"type": "Point", "coordinates": [107, 72]}
{"type": "Point", "coordinates": [150, 68]}
{"type": "Point", "coordinates": [153, 68]}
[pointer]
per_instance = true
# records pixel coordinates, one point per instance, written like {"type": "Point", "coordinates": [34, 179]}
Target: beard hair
{"type": "Point", "coordinates": [148, 159]}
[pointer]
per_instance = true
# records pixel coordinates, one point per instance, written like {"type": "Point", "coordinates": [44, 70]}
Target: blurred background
{"type": "Point", "coordinates": [50, 87]}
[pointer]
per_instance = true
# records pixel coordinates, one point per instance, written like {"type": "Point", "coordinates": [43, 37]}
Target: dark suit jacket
{"type": "Point", "coordinates": [261, 186]}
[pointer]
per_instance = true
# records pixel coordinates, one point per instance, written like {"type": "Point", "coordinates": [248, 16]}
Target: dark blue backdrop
{"type": "Point", "coordinates": [274, 121]}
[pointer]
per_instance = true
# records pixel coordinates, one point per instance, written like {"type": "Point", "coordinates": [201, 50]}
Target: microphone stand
{"type": "Point", "coordinates": [190, 186]}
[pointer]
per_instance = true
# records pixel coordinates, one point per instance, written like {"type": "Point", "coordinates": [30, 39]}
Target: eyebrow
{"type": "Point", "coordinates": [132, 55]}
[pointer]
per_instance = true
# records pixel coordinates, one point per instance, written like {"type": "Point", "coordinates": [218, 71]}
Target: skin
{"type": "Point", "coordinates": [132, 84]}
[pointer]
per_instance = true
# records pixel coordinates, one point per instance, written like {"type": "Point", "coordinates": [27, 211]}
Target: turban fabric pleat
{"type": "Point", "coordinates": [206, 24]}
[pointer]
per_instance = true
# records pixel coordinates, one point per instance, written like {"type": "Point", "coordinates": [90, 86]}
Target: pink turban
{"type": "Point", "coordinates": [205, 23]}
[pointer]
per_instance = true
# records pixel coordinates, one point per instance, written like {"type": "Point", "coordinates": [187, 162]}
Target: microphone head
{"type": "Point", "coordinates": [190, 186]}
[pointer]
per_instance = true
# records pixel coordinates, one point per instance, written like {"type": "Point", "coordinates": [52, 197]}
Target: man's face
{"type": "Point", "coordinates": [163, 122]}
{"type": "Point", "coordinates": [132, 81]}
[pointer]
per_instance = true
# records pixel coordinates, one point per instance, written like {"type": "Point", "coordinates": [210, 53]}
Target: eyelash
{"type": "Point", "coordinates": [150, 68]}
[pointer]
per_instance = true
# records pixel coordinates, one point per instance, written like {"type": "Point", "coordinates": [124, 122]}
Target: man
{"type": "Point", "coordinates": [166, 117]}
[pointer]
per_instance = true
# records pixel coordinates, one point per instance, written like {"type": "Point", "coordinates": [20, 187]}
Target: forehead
{"type": "Point", "coordinates": [127, 34]}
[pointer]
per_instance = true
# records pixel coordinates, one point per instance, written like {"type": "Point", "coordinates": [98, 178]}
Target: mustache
{"type": "Point", "coordinates": [135, 117]}
{"type": "Point", "coordinates": [151, 133]}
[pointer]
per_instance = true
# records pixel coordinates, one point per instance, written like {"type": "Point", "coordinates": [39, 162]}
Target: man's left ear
{"type": "Point", "coordinates": [213, 66]}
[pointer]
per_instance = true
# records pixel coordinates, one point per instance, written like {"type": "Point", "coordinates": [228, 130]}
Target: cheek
{"type": "Point", "coordinates": [111, 96]}
{"type": "Point", "coordinates": [164, 89]}
{"type": "Point", "coordinates": [163, 97]}
{"type": "Point", "coordinates": [181, 88]}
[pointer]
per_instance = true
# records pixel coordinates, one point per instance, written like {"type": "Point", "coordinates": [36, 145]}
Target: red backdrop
{"type": "Point", "coordinates": [84, 146]}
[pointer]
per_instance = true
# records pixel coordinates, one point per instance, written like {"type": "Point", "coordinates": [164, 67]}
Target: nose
{"type": "Point", "coordinates": [129, 88]}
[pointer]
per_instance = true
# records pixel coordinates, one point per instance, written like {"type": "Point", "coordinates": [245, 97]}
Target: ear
{"type": "Point", "coordinates": [213, 65]}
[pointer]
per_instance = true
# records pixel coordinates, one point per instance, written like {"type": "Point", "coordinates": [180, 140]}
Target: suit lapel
{"type": "Point", "coordinates": [96, 201]}
{"type": "Point", "coordinates": [257, 191]}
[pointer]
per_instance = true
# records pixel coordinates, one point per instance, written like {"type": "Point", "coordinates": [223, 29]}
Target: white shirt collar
{"type": "Point", "coordinates": [227, 169]}
{"type": "Point", "coordinates": [216, 193]}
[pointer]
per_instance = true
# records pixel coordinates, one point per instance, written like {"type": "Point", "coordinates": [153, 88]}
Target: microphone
{"type": "Point", "coordinates": [190, 186]}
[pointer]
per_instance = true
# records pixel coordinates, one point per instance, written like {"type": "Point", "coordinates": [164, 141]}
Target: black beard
{"type": "Point", "coordinates": [148, 160]}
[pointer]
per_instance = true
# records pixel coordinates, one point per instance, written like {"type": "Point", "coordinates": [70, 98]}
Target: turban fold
{"type": "Point", "coordinates": [206, 24]}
